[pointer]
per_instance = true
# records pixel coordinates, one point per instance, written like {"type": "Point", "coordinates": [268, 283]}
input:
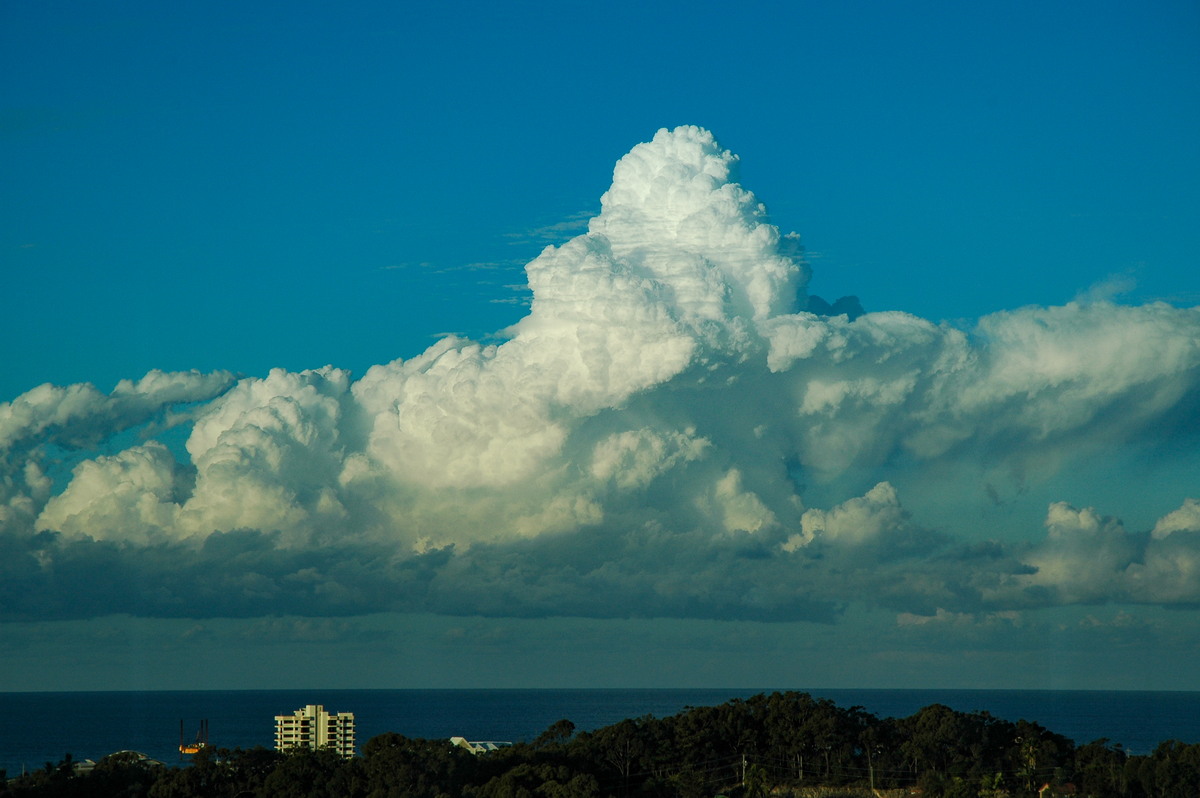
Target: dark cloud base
{"type": "Point", "coordinates": [645, 572]}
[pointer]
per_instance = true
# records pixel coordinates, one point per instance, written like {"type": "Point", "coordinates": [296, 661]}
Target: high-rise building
{"type": "Point", "coordinates": [313, 727]}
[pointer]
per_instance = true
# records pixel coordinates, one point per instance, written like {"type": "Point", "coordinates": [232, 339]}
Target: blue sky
{"type": "Point", "coordinates": [261, 172]}
{"type": "Point", "coordinates": [246, 187]}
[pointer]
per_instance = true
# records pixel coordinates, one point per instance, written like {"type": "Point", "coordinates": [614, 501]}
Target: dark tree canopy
{"type": "Point", "coordinates": [782, 744]}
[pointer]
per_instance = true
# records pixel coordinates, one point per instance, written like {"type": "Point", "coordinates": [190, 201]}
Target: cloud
{"type": "Point", "coordinates": [556, 232]}
{"type": "Point", "coordinates": [77, 416]}
{"type": "Point", "coordinates": [131, 495]}
{"type": "Point", "coordinates": [41, 424]}
{"type": "Point", "coordinates": [942, 618]}
{"type": "Point", "coordinates": [855, 521]}
{"type": "Point", "coordinates": [648, 441]}
{"type": "Point", "coordinates": [1091, 559]}
{"type": "Point", "coordinates": [1084, 556]}
{"type": "Point", "coordinates": [1185, 519]}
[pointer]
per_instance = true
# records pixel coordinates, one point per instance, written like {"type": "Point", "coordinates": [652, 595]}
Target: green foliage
{"type": "Point", "coordinates": [557, 734]}
{"type": "Point", "coordinates": [1172, 771]}
{"type": "Point", "coordinates": [307, 774]}
{"type": "Point", "coordinates": [396, 766]}
{"type": "Point", "coordinates": [754, 783]}
{"type": "Point", "coordinates": [121, 775]}
{"type": "Point", "coordinates": [220, 773]}
{"type": "Point", "coordinates": [1100, 769]}
{"type": "Point", "coordinates": [529, 780]}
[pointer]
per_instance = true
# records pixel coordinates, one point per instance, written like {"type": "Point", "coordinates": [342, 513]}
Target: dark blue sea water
{"type": "Point", "coordinates": [36, 728]}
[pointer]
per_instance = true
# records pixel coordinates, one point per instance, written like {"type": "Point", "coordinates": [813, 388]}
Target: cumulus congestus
{"type": "Point", "coordinates": [648, 441]}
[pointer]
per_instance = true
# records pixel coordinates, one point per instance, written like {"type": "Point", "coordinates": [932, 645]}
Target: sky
{"type": "Point", "coordinates": [517, 345]}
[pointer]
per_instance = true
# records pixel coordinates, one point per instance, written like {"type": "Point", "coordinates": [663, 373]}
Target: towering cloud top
{"type": "Point", "coordinates": [642, 443]}
{"type": "Point", "coordinates": [676, 213]}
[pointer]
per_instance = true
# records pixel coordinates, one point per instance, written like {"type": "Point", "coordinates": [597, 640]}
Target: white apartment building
{"type": "Point", "coordinates": [313, 727]}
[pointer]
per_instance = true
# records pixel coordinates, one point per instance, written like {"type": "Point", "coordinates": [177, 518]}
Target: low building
{"type": "Point", "coordinates": [480, 747]}
{"type": "Point", "coordinates": [312, 727]}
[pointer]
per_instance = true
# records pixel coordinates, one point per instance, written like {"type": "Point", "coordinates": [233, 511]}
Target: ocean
{"type": "Point", "coordinates": [36, 728]}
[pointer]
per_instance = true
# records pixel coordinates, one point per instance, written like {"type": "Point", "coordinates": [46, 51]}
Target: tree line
{"type": "Point", "coordinates": [782, 744]}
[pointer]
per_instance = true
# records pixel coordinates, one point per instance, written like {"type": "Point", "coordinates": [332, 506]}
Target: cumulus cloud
{"type": "Point", "coordinates": [76, 416]}
{"type": "Point", "coordinates": [854, 522]}
{"type": "Point", "coordinates": [640, 444]}
{"type": "Point", "coordinates": [1185, 519]}
{"type": "Point", "coordinates": [45, 421]}
{"type": "Point", "coordinates": [131, 495]}
{"type": "Point", "coordinates": [1085, 555]}
{"type": "Point", "coordinates": [1088, 558]}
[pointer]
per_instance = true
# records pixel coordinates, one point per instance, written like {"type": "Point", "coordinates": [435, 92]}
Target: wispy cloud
{"type": "Point", "coordinates": [554, 233]}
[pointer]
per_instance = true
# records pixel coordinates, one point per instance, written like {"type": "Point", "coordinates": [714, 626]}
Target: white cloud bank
{"type": "Point", "coordinates": [638, 445]}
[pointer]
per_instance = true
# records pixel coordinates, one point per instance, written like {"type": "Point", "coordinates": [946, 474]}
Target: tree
{"type": "Point", "coordinates": [305, 773]}
{"type": "Point", "coordinates": [395, 766]}
{"type": "Point", "coordinates": [556, 734]}
{"type": "Point", "coordinates": [1100, 769]}
{"type": "Point", "coordinates": [1172, 771]}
